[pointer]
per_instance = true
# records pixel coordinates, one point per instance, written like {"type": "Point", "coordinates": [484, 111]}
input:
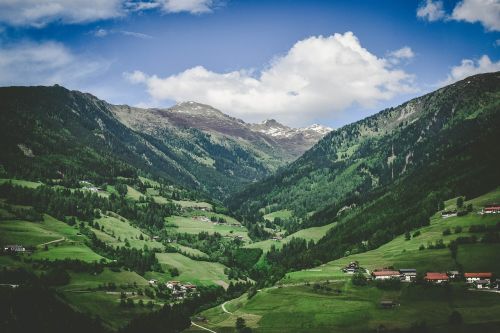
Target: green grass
{"type": "Point", "coordinates": [106, 305]}
{"type": "Point", "coordinates": [283, 214]}
{"type": "Point", "coordinates": [133, 194]}
{"type": "Point", "coordinates": [83, 281]}
{"type": "Point", "coordinates": [314, 233]}
{"type": "Point", "coordinates": [229, 219]}
{"type": "Point", "coordinates": [68, 251]}
{"type": "Point", "coordinates": [298, 308]}
{"type": "Point", "coordinates": [356, 309]}
{"type": "Point", "coordinates": [123, 229]}
{"type": "Point", "coordinates": [193, 204]}
{"type": "Point", "coordinates": [199, 272]}
{"type": "Point", "coordinates": [36, 233]}
{"type": "Point", "coordinates": [191, 226]}
{"type": "Point", "coordinates": [190, 251]}
{"type": "Point", "coordinates": [21, 182]}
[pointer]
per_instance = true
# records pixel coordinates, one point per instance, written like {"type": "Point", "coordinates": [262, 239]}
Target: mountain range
{"type": "Point", "coordinates": [52, 132]}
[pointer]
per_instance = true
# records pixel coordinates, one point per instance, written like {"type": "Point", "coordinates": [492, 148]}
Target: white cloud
{"type": "Point", "coordinates": [431, 11]}
{"type": "Point", "coordinates": [487, 12]}
{"type": "Point", "coordinates": [470, 67]}
{"type": "Point", "coordinates": [191, 6]}
{"type": "Point", "coordinates": [404, 53]}
{"type": "Point", "coordinates": [45, 63]}
{"type": "Point", "coordinates": [103, 33]}
{"type": "Point", "coordinates": [38, 13]}
{"type": "Point", "coordinates": [319, 76]}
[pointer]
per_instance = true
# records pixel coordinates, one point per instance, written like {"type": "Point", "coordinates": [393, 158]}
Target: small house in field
{"type": "Point", "coordinates": [387, 304]}
{"type": "Point", "coordinates": [491, 209]}
{"type": "Point", "coordinates": [482, 284]}
{"type": "Point", "coordinates": [473, 277]}
{"type": "Point", "coordinates": [385, 275]}
{"type": "Point", "coordinates": [448, 213]}
{"type": "Point", "coordinates": [408, 274]}
{"type": "Point", "coordinates": [153, 282]}
{"type": "Point", "coordinates": [436, 277]}
{"type": "Point", "coordinates": [453, 274]}
{"type": "Point", "coordinates": [14, 248]}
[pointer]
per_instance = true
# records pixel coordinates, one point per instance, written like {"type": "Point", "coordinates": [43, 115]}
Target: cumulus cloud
{"type": "Point", "coordinates": [317, 77]}
{"type": "Point", "coordinates": [39, 13]}
{"type": "Point", "coordinates": [404, 53]}
{"type": "Point", "coordinates": [431, 11]}
{"type": "Point", "coordinates": [470, 67]}
{"type": "Point", "coordinates": [487, 12]}
{"type": "Point", "coordinates": [45, 63]}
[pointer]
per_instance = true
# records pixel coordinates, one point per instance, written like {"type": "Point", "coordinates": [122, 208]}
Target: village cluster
{"type": "Point", "coordinates": [178, 289]}
{"type": "Point", "coordinates": [478, 280]}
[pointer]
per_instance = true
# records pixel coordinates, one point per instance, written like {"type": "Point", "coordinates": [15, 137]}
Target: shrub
{"type": "Point", "coordinates": [389, 284]}
{"type": "Point", "coordinates": [416, 233]}
{"type": "Point", "coordinates": [455, 318]}
{"type": "Point", "coordinates": [359, 279]}
{"type": "Point", "coordinates": [446, 232]}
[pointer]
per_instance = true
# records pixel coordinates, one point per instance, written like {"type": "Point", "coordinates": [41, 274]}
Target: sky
{"type": "Point", "coordinates": [299, 62]}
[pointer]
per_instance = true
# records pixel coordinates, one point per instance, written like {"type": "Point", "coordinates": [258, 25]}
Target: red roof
{"type": "Point", "coordinates": [492, 208]}
{"type": "Point", "coordinates": [436, 276]}
{"type": "Point", "coordinates": [386, 273]}
{"type": "Point", "coordinates": [478, 275]}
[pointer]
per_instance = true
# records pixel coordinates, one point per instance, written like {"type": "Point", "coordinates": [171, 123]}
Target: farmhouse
{"type": "Point", "coordinates": [384, 275]}
{"type": "Point", "coordinates": [481, 284]}
{"type": "Point", "coordinates": [448, 213]}
{"type": "Point", "coordinates": [14, 248]}
{"type": "Point", "coordinates": [153, 282]}
{"type": "Point", "coordinates": [491, 209]}
{"type": "Point", "coordinates": [436, 277]}
{"type": "Point", "coordinates": [353, 267]}
{"type": "Point", "coordinates": [473, 277]}
{"type": "Point", "coordinates": [408, 274]}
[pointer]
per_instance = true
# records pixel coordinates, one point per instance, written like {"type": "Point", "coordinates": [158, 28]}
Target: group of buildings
{"type": "Point", "coordinates": [15, 248]}
{"type": "Point", "coordinates": [479, 280]}
{"type": "Point", "coordinates": [178, 289]}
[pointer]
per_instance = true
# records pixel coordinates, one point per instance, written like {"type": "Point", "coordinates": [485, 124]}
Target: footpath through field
{"type": "Point", "coordinates": [203, 328]}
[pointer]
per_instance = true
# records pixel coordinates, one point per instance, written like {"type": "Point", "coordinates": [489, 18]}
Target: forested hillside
{"type": "Point", "coordinates": [454, 126]}
{"type": "Point", "coordinates": [54, 133]}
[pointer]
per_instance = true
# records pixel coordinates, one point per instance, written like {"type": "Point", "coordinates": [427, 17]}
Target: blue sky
{"type": "Point", "coordinates": [300, 62]}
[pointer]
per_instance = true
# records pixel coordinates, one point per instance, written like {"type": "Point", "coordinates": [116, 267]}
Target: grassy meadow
{"type": "Point", "coordinates": [295, 305]}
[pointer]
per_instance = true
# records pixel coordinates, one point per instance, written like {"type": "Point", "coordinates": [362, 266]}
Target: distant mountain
{"type": "Point", "coordinates": [294, 140]}
{"type": "Point", "coordinates": [52, 132]}
{"type": "Point", "coordinates": [274, 142]}
{"type": "Point", "coordinates": [446, 140]}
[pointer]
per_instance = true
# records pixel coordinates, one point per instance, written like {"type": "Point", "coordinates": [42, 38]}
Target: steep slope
{"type": "Point", "coordinates": [51, 133]}
{"type": "Point", "coordinates": [456, 123]}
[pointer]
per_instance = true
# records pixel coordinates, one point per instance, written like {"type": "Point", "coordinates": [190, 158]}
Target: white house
{"type": "Point", "coordinates": [473, 277]}
{"type": "Point", "coordinates": [408, 274]}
